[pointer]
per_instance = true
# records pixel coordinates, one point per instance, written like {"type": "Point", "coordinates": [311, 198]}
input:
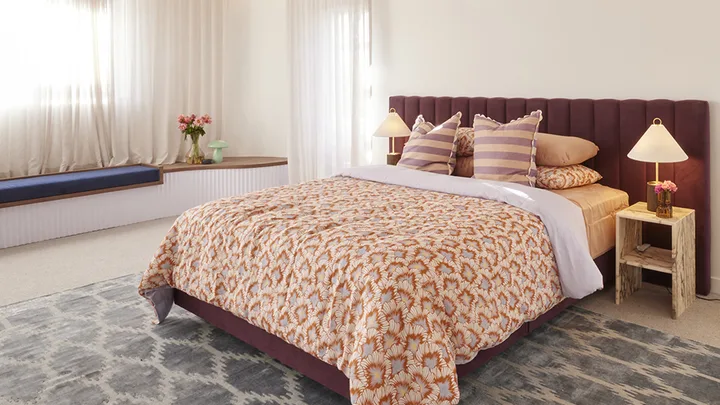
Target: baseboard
{"type": "Point", "coordinates": [715, 285]}
{"type": "Point", "coordinates": [30, 223]}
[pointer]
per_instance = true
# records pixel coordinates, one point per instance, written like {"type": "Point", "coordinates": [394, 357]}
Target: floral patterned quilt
{"type": "Point", "coordinates": [391, 284]}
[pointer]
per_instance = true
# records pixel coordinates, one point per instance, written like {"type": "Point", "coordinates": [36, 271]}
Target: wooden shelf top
{"type": "Point", "coordinates": [639, 212]}
{"type": "Point", "coordinates": [239, 162]}
{"type": "Point", "coordinates": [653, 259]}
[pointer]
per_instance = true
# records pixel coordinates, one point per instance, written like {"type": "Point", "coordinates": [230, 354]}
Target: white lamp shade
{"type": "Point", "coordinates": [657, 145]}
{"type": "Point", "coordinates": [392, 127]}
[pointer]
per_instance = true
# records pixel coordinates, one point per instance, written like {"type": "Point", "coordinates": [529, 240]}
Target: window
{"type": "Point", "coordinates": [61, 52]}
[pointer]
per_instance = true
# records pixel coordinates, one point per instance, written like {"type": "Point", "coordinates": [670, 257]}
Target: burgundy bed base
{"type": "Point", "coordinates": [314, 368]}
{"type": "Point", "coordinates": [613, 125]}
{"type": "Point", "coordinates": [330, 376]}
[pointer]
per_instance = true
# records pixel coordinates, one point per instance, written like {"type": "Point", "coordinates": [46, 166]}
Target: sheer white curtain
{"type": "Point", "coordinates": [89, 83]}
{"type": "Point", "coordinates": [330, 66]}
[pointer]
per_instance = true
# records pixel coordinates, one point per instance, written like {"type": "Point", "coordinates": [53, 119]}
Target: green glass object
{"type": "Point", "coordinates": [217, 146]}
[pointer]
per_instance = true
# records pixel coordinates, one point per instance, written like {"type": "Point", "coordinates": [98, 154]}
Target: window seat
{"type": "Point", "coordinates": [180, 187]}
{"type": "Point", "coordinates": [33, 189]}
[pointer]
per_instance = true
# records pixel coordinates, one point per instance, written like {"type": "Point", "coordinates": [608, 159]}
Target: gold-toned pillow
{"type": "Point", "coordinates": [558, 150]}
{"type": "Point", "coordinates": [466, 140]}
{"type": "Point", "coordinates": [464, 166]}
{"type": "Point", "coordinates": [560, 178]}
{"type": "Point", "coordinates": [432, 149]}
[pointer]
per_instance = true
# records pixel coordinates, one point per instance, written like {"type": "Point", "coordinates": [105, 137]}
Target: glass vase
{"type": "Point", "coordinates": [195, 155]}
{"type": "Point", "coordinates": [664, 205]}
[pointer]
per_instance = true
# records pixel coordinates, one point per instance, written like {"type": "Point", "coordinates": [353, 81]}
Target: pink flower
{"type": "Point", "coordinates": [182, 127]}
{"type": "Point", "coordinates": [193, 120]}
{"type": "Point", "coordinates": [666, 185]}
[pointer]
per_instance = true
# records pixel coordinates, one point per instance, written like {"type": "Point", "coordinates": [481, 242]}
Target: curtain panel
{"type": "Point", "coordinates": [330, 66]}
{"type": "Point", "coordinates": [94, 83]}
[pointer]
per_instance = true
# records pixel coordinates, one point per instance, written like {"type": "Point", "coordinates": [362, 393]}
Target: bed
{"type": "Point", "coordinates": [381, 302]}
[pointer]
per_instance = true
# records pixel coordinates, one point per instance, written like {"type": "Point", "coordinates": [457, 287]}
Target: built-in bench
{"type": "Point", "coordinates": [44, 207]}
{"type": "Point", "coordinates": [34, 189]}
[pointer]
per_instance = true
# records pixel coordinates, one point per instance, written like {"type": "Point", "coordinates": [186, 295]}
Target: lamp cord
{"type": "Point", "coordinates": [696, 296]}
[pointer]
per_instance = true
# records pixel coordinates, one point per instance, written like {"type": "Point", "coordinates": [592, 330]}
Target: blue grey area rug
{"type": "Point", "coordinates": [97, 345]}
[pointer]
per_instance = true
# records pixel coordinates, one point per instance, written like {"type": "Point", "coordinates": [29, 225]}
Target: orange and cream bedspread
{"type": "Point", "coordinates": [393, 285]}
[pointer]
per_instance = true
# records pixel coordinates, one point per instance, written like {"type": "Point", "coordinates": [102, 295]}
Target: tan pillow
{"type": "Point", "coordinates": [466, 140]}
{"type": "Point", "coordinates": [464, 166]}
{"type": "Point", "coordinates": [557, 150]}
{"type": "Point", "coordinates": [561, 178]}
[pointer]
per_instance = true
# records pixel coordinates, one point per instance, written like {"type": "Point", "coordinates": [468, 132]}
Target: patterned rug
{"type": "Point", "coordinates": [97, 345]}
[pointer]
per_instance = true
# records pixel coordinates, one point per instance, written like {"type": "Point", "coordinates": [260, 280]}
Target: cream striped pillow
{"type": "Point", "coordinates": [506, 152]}
{"type": "Point", "coordinates": [432, 149]}
{"type": "Point", "coordinates": [421, 120]}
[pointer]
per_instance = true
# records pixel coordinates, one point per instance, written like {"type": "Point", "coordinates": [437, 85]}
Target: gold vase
{"type": "Point", "coordinates": [664, 205]}
{"type": "Point", "coordinates": [651, 196]}
{"type": "Point", "coordinates": [195, 155]}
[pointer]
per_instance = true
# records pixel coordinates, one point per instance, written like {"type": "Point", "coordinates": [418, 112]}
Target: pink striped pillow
{"type": "Point", "coordinates": [432, 149]}
{"type": "Point", "coordinates": [421, 120]}
{"type": "Point", "coordinates": [506, 152]}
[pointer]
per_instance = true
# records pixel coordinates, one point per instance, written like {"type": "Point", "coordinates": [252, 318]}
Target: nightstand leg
{"type": "Point", "coordinates": [683, 277]}
{"type": "Point", "coordinates": [629, 280]}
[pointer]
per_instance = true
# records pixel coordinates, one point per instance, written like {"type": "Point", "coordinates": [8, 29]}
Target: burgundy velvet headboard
{"type": "Point", "coordinates": [615, 126]}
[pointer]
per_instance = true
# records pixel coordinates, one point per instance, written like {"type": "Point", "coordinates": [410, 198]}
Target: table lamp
{"type": "Point", "coordinates": [656, 146]}
{"type": "Point", "coordinates": [392, 127]}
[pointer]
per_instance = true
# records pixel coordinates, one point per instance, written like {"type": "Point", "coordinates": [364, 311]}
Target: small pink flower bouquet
{"type": "Point", "coordinates": [664, 192]}
{"type": "Point", "coordinates": [666, 186]}
{"type": "Point", "coordinates": [193, 125]}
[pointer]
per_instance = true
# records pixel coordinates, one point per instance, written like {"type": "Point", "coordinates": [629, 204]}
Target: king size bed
{"type": "Point", "coordinates": [387, 284]}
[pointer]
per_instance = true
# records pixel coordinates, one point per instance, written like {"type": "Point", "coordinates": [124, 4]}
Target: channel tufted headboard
{"type": "Point", "coordinates": [615, 126]}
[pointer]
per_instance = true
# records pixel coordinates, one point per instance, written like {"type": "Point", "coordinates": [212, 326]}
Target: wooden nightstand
{"type": "Point", "coordinates": [679, 261]}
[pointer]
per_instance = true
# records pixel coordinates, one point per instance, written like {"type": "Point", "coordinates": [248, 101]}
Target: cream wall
{"type": "Point", "coordinates": [555, 48]}
{"type": "Point", "coordinates": [256, 104]}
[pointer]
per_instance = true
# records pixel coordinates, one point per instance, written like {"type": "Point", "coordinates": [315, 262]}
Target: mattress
{"type": "Point", "coordinates": [599, 204]}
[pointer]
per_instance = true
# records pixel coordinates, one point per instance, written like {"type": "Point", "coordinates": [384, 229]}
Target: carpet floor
{"type": "Point", "coordinates": [97, 345]}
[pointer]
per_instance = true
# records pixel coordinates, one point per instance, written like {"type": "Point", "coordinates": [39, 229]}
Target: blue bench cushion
{"type": "Point", "coordinates": [30, 188]}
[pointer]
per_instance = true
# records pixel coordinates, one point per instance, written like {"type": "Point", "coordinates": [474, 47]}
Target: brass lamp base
{"type": "Point", "coordinates": [651, 196]}
{"type": "Point", "coordinates": [393, 158]}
